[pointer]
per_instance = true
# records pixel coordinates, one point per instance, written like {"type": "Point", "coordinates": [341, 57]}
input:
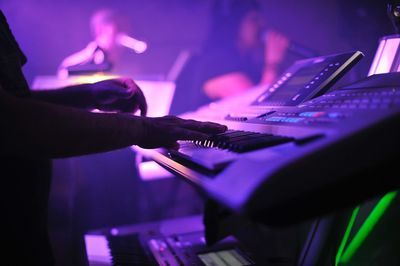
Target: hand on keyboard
{"type": "Point", "coordinates": [166, 131]}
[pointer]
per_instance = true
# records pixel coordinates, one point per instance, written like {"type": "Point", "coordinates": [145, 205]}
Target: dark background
{"type": "Point", "coordinates": [50, 30]}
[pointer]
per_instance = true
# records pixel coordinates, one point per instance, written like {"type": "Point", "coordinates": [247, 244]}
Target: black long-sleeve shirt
{"type": "Point", "coordinates": [25, 181]}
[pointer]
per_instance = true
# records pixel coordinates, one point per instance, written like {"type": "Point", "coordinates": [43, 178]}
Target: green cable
{"type": "Point", "coordinates": [346, 235]}
{"type": "Point", "coordinates": [364, 230]}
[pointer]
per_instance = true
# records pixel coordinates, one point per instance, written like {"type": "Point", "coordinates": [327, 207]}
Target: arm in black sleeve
{"type": "Point", "coordinates": [35, 128]}
{"type": "Point", "coordinates": [79, 96]}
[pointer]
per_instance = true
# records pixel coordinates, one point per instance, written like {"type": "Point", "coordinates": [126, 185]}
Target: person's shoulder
{"type": "Point", "coordinates": [2, 17]}
{"type": "Point", "coordinates": [9, 48]}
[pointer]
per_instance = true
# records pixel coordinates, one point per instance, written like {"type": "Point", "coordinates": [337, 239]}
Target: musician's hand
{"type": "Point", "coordinates": [120, 94]}
{"type": "Point", "coordinates": [165, 131]}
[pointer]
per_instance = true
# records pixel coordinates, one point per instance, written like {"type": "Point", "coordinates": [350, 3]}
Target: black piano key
{"type": "Point", "coordinates": [219, 140]}
{"type": "Point", "coordinates": [240, 141]}
{"type": "Point", "coordinates": [223, 140]}
{"type": "Point", "coordinates": [258, 143]}
{"type": "Point", "coordinates": [231, 135]}
{"type": "Point", "coordinates": [246, 138]}
{"type": "Point", "coordinates": [226, 144]}
{"type": "Point", "coordinates": [127, 250]}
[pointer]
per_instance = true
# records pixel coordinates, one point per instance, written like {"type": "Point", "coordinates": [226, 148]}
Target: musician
{"type": "Point", "coordinates": [107, 49]}
{"type": "Point", "coordinates": [237, 55]}
{"type": "Point", "coordinates": [38, 126]}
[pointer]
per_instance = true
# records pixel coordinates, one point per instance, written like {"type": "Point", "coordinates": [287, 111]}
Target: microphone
{"type": "Point", "coordinates": [295, 48]}
{"type": "Point", "coordinates": [131, 43]}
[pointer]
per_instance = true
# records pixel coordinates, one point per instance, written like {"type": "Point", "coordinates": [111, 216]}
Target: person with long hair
{"type": "Point", "coordinates": [238, 54]}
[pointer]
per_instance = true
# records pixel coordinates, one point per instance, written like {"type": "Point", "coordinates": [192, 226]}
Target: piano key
{"type": "Point", "coordinates": [127, 250]}
{"type": "Point", "coordinates": [223, 140]}
{"type": "Point", "coordinates": [213, 155]}
{"type": "Point", "coordinates": [241, 141]}
{"type": "Point", "coordinates": [258, 143]}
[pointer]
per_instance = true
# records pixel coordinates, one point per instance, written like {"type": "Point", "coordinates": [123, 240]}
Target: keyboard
{"type": "Point", "coordinates": [127, 250]}
{"type": "Point", "coordinates": [295, 158]}
{"type": "Point", "coordinates": [214, 154]}
{"type": "Point", "coordinates": [173, 242]}
{"type": "Point", "coordinates": [242, 141]}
